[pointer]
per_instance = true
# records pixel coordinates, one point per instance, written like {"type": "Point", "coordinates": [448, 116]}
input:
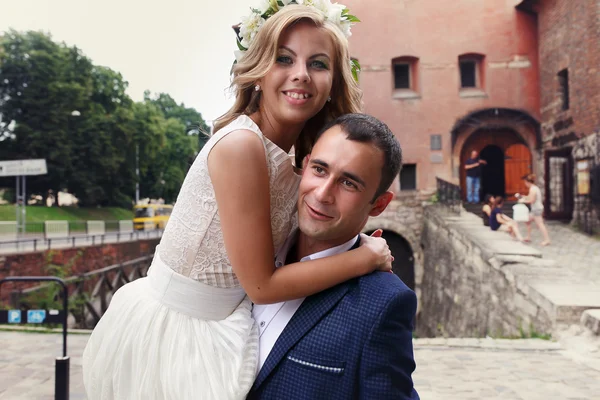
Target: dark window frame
{"type": "Point", "coordinates": [409, 172]}
{"type": "Point", "coordinates": [468, 74]}
{"type": "Point", "coordinates": [563, 81]}
{"type": "Point", "coordinates": [407, 79]}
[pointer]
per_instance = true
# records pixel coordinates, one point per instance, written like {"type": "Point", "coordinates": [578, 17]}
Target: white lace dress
{"type": "Point", "coordinates": [186, 331]}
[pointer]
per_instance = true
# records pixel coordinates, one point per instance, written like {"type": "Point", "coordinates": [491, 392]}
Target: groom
{"type": "Point", "coordinates": [352, 341]}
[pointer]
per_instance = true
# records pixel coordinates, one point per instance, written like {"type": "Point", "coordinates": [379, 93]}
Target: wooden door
{"type": "Point", "coordinates": [517, 163]}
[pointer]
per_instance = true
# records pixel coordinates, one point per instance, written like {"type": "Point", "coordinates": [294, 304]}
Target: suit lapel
{"type": "Point", "coordinates": [308, 315]}
{"type": "Point", "coordinates": [312, 310]}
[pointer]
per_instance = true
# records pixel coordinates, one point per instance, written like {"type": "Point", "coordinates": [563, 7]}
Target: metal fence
{"type": "Point", "coordinates": [448, 194]}
{"type": "Point", "coordinates": [89, 293]}
{"type": "Point", "coordinates": [41, 243]}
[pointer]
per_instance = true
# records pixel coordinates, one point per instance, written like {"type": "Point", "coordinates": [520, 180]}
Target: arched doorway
{"type": "Point", "coordinates": [404, 262]}
{"type": "Point", "coordinates": [504, 128]}
{"type": "Point", "coordinates": [508, 159]}
{"type": "Point", "coordinates": [492, 173]}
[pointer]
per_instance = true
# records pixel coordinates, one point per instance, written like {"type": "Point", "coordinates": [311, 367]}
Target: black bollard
{"type": "Point", "coordinates": [61, 383]}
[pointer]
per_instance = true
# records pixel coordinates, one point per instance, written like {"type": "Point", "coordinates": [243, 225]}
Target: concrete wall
{"type": "Point", "coordinates": [404, 216]}
{"type": "Point", "coordinates": [468, 291]}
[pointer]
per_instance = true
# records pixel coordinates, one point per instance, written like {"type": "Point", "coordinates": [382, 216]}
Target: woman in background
{"type": "Point", "coordinates": [534, 200]}
{"type": "Point", "coordinates": [486, 211]}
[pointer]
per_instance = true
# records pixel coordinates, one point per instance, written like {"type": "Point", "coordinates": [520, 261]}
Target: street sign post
{"type": "Point", "coordinates": [20, 169]}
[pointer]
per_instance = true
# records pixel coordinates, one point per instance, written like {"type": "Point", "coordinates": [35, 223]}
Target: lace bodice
{"type": "Point", "coordinates": [192, 243]}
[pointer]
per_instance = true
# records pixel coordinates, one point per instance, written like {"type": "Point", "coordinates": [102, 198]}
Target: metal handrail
{"type": "Point", "coordinates": [108, 280]}
{"type": "Point", "coordinates": [46, 244]}
{"type": "Point", "coordinates": [449, 195]}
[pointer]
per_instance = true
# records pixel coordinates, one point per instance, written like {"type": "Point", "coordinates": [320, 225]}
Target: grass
{"type": "Point", "coordinates": [41, 214]}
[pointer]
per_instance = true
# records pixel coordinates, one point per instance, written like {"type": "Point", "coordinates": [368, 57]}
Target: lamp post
{"type": "Point", "coordinates": [137, 174]}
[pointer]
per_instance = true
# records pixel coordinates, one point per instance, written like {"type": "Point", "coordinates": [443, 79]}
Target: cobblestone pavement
{"type": "Point", "coordinates": [447, 369]}
{"type": "Point", "coordinates": [571, 249]}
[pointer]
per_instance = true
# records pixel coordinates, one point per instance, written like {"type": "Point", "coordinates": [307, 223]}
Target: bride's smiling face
{"type": "Point", "coordinates": [297, 86]}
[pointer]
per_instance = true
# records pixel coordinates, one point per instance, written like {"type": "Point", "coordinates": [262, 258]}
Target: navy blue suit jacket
{"type": "Point", "coordinates": [353, 341]}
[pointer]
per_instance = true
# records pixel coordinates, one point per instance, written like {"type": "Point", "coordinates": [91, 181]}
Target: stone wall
{"type": "Point", "coordinates": [469, 291]}
{"type": "Point", "coordinates": [404, 216]}
{"type": "Point", "coordinates": [82, 259]}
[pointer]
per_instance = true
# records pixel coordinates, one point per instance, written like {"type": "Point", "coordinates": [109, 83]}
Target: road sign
{"type": "Point", "coordinates": [36, 316]}
{"type": "Point", "coordinates": [14, 316]}
{"type": "Point", "coordinates": [23, 167]}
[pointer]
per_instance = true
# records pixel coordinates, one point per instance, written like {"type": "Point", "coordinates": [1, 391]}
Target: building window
{"type": "Point", "coordinates": [408, 177]}
{"type": "Point", "coordinates": [468, 74]}
{"type": "Point", "coordinates": [471, 71]}
{"type": "Point", "coordinates": [563, 80]}
{"type": "Point", "coordinates": [401, 76]}
{"type": "Point", "coordinates": [405, 77]}
{"type": "Point", "coordinates": [436, 142]}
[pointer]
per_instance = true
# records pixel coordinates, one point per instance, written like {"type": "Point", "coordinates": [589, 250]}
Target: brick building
{"type": "Point", "coordinates": [569, 53]}
{"type": "Point", "coordinates": [450, 77]}
{"type": "Point", "coordinates": [516, 80]}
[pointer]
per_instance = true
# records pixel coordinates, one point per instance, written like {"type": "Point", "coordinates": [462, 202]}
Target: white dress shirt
{"type": "Point", "coordinates": [273, 318]}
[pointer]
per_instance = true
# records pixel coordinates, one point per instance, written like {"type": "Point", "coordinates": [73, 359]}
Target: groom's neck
{"type": "Point", "coordinates": [306, 246]}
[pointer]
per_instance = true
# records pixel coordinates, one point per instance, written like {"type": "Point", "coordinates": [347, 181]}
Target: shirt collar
{"type": "Point", "coordinates": [332, 251]}
{"type": "Point", "coordinates": [282, 254]}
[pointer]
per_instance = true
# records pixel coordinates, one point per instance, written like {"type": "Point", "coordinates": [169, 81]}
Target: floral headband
{"type": "Point", "coordinates": [336, 13]}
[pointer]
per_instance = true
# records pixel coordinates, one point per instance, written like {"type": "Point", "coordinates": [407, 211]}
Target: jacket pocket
{"type": "Point", "coordinates": [316, 364]}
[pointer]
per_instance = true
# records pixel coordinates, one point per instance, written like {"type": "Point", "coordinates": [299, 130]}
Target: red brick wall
{"type": "Point", "coordinates": [569, 36]}
{"type": "Point", "coordinates": [91, 258]}
{"type": "Point", "coordinates": [437, 32]}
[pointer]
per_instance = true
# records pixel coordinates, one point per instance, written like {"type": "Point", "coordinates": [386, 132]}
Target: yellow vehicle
{"type": "Point", "coordinates": [151, 216]}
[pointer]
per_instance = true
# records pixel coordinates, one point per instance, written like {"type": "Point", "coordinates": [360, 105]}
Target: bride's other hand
{"type": "Point", "coordinates": [379, 249]}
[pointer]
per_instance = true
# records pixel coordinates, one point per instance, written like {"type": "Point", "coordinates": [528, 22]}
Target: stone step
{"type": "Point", "coordinates": [565, 302]}
{"type": "Point", "coordinates": [591, 320]}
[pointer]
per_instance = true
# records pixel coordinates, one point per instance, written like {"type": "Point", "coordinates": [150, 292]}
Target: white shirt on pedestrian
{"type": "Point", "coordinates": [273, 318]}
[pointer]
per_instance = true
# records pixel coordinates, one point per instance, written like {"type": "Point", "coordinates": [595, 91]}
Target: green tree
{"type": "Point", "coordinates": [190, 117]}
{"type": "Point", "coordinates": [41, 84]}
{"type": "Point", "coordinates": [55, 104]}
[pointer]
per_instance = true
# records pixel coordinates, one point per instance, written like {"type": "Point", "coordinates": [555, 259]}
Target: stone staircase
{"type": "Point", "coordinates": [551, 286]}
{"type": "Point", "coordinates": [591, 320]}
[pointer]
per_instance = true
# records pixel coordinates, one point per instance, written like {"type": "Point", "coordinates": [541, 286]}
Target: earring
{"type": "Point", "coordinates": [257, 88]}
{"type": "Point", "coordinates": [329, 99]}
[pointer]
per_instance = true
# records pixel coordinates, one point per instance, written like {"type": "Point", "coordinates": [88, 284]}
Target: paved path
{"type": "Point", "coordinates": [447, 369]}
{"type": "Point", "coordinates": [572, 249]}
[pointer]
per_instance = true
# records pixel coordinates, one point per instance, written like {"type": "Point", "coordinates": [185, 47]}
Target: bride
{"type": "Point", "coordinates": [186, 330]}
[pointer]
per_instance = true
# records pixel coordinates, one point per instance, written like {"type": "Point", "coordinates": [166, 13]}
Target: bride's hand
{"type": "Point", "coordinates": [377, 245]}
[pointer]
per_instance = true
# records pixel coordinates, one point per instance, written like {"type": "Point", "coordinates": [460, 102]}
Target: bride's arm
{"type": "Point", "coordinates": [239, 174]}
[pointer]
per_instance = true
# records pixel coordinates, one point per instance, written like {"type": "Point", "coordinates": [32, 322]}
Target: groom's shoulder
{"type": "Point", "coordinates": [382, 287]}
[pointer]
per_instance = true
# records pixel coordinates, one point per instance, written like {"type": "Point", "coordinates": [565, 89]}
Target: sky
{"type": "Point", "coordinates": [180, 47]}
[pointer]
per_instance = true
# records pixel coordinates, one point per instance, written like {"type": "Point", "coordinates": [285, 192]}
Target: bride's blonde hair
{"type": "Point", "coordinates": [261, 56]}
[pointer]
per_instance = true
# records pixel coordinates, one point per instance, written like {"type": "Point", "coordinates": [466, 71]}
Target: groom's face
{"type": "Point", "coordinates": [338, 184]}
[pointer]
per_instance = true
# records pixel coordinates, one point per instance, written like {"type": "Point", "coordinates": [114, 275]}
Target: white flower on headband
{"type": "Point", "coordinates": [336, 13]}
{"type": "Point", "coordinates": [249, 28]}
